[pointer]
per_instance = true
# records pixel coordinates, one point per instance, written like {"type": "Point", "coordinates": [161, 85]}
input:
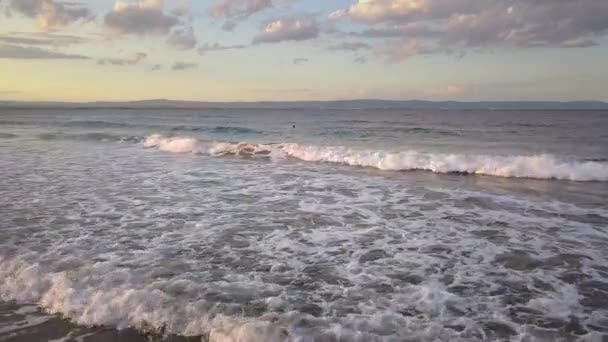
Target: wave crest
{"type": "Point", "coordinates": [541, 166]}
{"type": "Point", "coordinates": [172, 144]}
{"type": "Point", "coordinates": [114, 298]}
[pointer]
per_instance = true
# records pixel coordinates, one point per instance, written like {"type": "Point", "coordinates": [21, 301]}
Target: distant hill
{"type": "Point", "coordinates": [336, 105]}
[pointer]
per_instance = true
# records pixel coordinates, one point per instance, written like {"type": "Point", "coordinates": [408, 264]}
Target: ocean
{"type": "Point", "coordinates": [243, 225]}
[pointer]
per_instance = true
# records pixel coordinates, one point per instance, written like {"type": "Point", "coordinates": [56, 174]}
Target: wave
{"type": "Point", "coordinates": [541, 166]}
{"type": "Point", "coordinates": [173, 144]}
{"type": "Point", "coordinates": [374, 131]}
{"type": "Point", "coordinates": [117, 300]}
{"type": "Point", "coordinates": [8, 135]}
{"type": "Point", "coordinates": [235, 130]}
{"type": "Point", "coordinates": [423, 130]}
{"type": "Point", "coordinates": [97, 124]}
{"type": "Point", "coordinates": [90, 137]}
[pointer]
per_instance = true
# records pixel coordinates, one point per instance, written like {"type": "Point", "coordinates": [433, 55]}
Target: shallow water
{"type": "Point", "coordinates": [353, 226]}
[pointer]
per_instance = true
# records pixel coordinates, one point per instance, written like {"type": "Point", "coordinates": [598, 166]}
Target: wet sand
{"type": "Point", "coordinates": [19, 323]}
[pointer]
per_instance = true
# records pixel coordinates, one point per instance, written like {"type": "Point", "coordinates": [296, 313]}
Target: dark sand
{"type": "Point", "coordinates": [20, 323]}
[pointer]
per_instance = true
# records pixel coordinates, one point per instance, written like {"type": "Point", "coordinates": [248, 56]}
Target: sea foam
{"type": "Point", "coordinates": [540, 166]}
{"type": "Point", "coordinates": [172, 144]}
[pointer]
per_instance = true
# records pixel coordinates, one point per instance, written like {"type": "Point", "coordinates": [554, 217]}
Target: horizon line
{"type": "Point", "coordinates": [296, 101]}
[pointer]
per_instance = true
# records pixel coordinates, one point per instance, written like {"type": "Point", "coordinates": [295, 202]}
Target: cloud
{"type": "Point", "coordinates": [578, 43]}
{"type": "Point", "coordinates": [179, 66]}
{"type": "Point", "coordinates": [182, 38]}
{"type": "Point", "coordinates": [410, 48]}
{"type": "Point", "coordinates": [451, 25]}
{"type": "Point", "coordinates": [182, 9]}
{"type": "Point", "coordinates": [237, 10]}
{"type": "Point", "coordinates": [375, 11]}
{"type": "Point", "coordinates": [350, 46]}
{"type": "Point", "coordinates": [416, 29]}
{"type": "Point", "coordinates": [41, 39]}
{"type": "Point", "coordinates": [9, 51]}
{"type": "Point", "coordinates": [218, 47]}
{"type": "Point", "coordinates": [298, 61]}
{"type": "Point", "coordinates": [295, 28]}
{"type": "Point", "coordinates": [361, 60]}
{"type": "Point", "coordinates": [51, 14]}
{"type": "Point", "coordinates": [229, 25]}
{"type": "Point", "coordinates": [131, 60]}
{"type": "Point", "coordinates": [142, 17]}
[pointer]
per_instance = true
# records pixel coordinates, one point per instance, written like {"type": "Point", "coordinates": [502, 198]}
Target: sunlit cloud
{"type": "Point", "coordinates": [50, 14]}
{"type": "Point", "coordinates": [444, 26]}
{"type": "Point", "coordinates": [143, 17]}
{"type": "Point", "coordinates": [295, 28]}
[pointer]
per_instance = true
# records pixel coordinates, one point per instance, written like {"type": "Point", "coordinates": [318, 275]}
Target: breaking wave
{"type": "Point", "coordinates": [541, 166]}
{"type": "Point", "coordinates": [114, 299]}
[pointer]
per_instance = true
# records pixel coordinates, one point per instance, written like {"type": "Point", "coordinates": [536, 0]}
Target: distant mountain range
{"type": "Point", "coordinates": [336, 105]}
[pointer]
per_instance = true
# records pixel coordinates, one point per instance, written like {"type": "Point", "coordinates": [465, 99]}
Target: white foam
{"type": "Point", "coordinates": [535, 166]}
{"type": "Point", "coordinates": [562, 304]}
{"type": "Point", "coordinates": [541, 166]}
{"type": "Point", "coordinates": [172, 144]}
{"type": "Point", "coordinates": [194, 250]}
{"type": "Point", "coordinates": [129, 304]}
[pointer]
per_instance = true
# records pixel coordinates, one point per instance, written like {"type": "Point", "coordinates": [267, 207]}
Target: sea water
{"type": "Point", "coordinates": [305, 225]}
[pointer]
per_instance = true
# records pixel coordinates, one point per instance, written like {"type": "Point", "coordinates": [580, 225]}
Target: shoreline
{"type": "Point", "coordinates": [27, 323]}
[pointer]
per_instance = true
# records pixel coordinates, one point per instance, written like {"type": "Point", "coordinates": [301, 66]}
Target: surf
{"type": "Point", "coordinates": [536, 166]}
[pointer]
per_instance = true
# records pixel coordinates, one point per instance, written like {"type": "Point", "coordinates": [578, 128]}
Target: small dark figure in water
{"type": "Point", "coordinates": [294, 126]}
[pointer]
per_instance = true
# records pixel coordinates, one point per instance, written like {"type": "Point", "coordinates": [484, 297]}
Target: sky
{"type": "Point", "coordinates": [254, 50]}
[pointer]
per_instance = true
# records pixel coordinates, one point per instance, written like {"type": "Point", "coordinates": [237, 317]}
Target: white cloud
{"type": "Point", "coordinates": [374, 11]}
{"type": "Point", "coordinates": [301, 27]}
{"type": "Point", "coordinates": [448, 25]}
